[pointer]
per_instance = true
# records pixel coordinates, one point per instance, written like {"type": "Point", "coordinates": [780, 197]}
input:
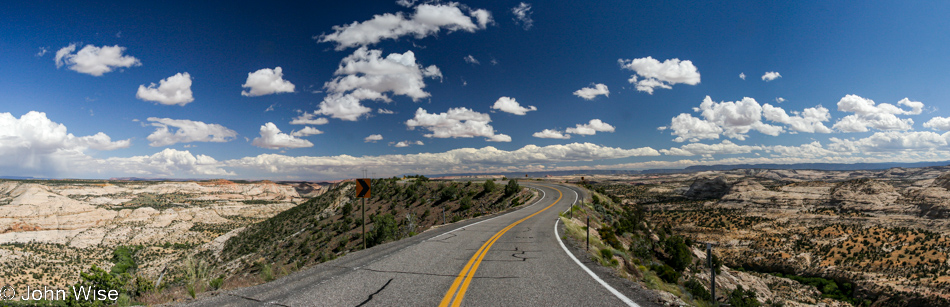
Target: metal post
{"type": "Point", "coordinates": [588, 232]}
{"type": "Point", "coordinates": [364, 223]}
{"type": "Point", "coordinates": [712, 274]}
{"type": "Point", "coordinates": [443, 215]}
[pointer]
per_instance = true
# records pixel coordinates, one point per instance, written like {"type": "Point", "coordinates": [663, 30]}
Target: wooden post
{"type": "Point", "coordinates": [364, 223]}
{"type": "Point", "coordinates": [588, 232]}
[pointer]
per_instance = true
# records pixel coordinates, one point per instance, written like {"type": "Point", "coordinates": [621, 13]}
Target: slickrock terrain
{"type": "Point", "coordinates": [883, 232]}
{"type": "Point", "coordinates": [49, 230]}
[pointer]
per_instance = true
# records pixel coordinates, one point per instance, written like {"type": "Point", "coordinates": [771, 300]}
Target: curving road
{"type": "Point", "coordinates": [505, 260]}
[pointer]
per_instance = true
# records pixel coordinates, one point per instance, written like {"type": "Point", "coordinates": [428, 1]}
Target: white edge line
{"type": "Point", "coordinates": [479, 222]}
{"type": "Point", "coordinates": [616, 293]}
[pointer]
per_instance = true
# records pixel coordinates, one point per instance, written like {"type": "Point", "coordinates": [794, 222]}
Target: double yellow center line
{"type": "Point", "coordinates": [457, 292]}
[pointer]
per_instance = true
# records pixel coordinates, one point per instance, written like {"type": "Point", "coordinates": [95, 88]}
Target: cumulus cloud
{"type": "Point", "coordinates": [522, 14]}
{"type": "Point", "coordinates": [456, 123]}
{"type": "Point", "coordinates": [34, 144]}
{"type": "Point", "coordinates": [590, 92]}
{"type": "Point", "coordinates": [373, 138]}
{"type": "Point", "coordinates": [471, 60]}
{"type": "Point", "coordinates": [166, 163]}
{"type": "Point", "coordinates": [385, 111]}
{"type": "Point", "coordinates": [509, 105]}
{"type": "Point", "coordinates": [174, 90]}
{"type": "Point", "coordinates": [591, 128]}
{"type": "Point", "coordinates": [187, 131]}
{"type": "Point", "coordinates": [779, 99]}
{"type": "Point", "coordinates": [736, 119]}
{"type": "Point", "coordinates": [881, 116]}
{"type": "Point", "coordinates": [769, 76]}
{"type": "Point", "coordinates": [938, 123]}
{"type": "Point", "coordinates": [707, 150]}
{"type": "Point", "coordinates": [486, 159]}
{"type": "Point", "coordinates": [306, 131]}
{"type": "Point", "coordinates": [810, 120]}
{"type": "Point", "coordinates": [309, 119]}
{"type": "Point", "coordinates": [266, 81]}
{"type": "Point", "coordinates": [551, 134]}
{"type": "Point", "coordinates": [366, 75]}
{"type": "Point", "coordinates": [892, 141]}
{"type": "Point", "coordinates": [742, 75]}
{"type": "Point", "coordinates": [94, 60]}
{"type": "Point", "coordinates": [428, 19]}
{"type": "Point", "coordinates": [272, 138]}
{"type": "Point", "coordinates": [652, 73]}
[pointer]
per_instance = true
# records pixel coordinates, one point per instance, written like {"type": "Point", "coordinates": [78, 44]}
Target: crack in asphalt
{"type": "Point", "coordinates": [257, 300]}
{"type": "Point", "coordinates": [375, 293]}
{"type": "Point", "coordinates": [427, 274]}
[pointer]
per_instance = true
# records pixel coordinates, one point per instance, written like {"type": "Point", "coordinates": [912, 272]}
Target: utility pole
{"type": "Point", "coordinates": [712, 273]}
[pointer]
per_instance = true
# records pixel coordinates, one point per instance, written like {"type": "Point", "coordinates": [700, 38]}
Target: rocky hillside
{"type": "Point", "coordinates": [861, 238]}
{"type": "Point", "coordinates": [50, 230]}
{"type": "Point", "coordinates": [330, 225]}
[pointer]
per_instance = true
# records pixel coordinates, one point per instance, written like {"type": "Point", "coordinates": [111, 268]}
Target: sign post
{"type": "Point", "coordinates": [362, 191]}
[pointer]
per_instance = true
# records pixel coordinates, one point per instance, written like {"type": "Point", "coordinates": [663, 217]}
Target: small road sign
{"type": "Point", "coordinates": [362, 188]}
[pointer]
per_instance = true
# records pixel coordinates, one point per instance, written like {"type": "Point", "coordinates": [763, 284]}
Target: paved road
{"type": "Point", "coordinates": [516, 257]}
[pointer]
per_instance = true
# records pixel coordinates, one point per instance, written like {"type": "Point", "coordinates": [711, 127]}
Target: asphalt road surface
{"type": "Point", "coordinates": [511, 259]}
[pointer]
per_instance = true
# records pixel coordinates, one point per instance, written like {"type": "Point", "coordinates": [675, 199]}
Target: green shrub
{"type": "Point", "coordinates": [679, 254]}
{"type": "Point", "coordinates": [512, 187]}
{"type": "Point", "coordinates": [743, 298]}
{"type": "Point", "coordinates": [489, 186]}
{"type": "Point", "coordinates": [465, 203]}
{"type": "Point", "coordinates": [697, 289]}
{"type": "Point", "coordinates": [665, 272]}
{"type": "Point", "coordinates": [384, 229]}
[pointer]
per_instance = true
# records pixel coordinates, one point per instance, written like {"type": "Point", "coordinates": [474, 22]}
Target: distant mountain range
{"type": "Point", "coordinates": [703, 168]}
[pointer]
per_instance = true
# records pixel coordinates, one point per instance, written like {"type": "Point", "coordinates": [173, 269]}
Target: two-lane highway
{"type": "Point", "coordinates": [506, 260]}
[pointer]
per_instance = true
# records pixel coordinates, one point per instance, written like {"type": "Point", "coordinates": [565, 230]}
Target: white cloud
{"type": "Point", "coordinates": [522, 14]}
{"type": "Point", "coordinates": [499, 138]}
{"type": "Point", "coordinates": [428, 19]}
{"type": "Point", "coordinates": [306, 131]}
{"type": "Point", "coordinates": [591, 128]}
{"type": "Point", "coordinates": [892, 142]}
{"type": "Point", "coordinates": [663, 75]}
{"type": "Point", "coordinates": [266, 81]}
{"type": "Point", "coordinates": [187, 131]}
{"type": "Point", "coordinates": [471, 60]}
{"type": "Point", "coordinates": [94, 60]}
{"type": "Point", "coordinates": [402, 144]}
{"type": "Point", "coordinates": [166, 163]}
{"type": "Point", "coordinates": [509, 105]}
{"type": "Point", "coordinates": [769, 76]}
{"type": "Point", "coordinates": [810, 120]}
{"type": "Point", "coordinates": [345, 107]}
{"type": "Point", "coordinates": [42, 52]}
{"type": "Point", "coordinates": [590, 92]}
{"type": "Point", "coordinates": [384, 111]}
{"type": "Point", "coordinates": [373, 138]}
{"type": "Point", "coordinates": [272, 138]}
{"type": "Point", "coordinates": [366, 75]}
{"type": "Point", "coordinates": [406, 3]}
{"type": "Point", "coordinates": [34, 144]}
{"type": "Point", "coordinates": [419, 143]}
{"type": "Point", "coordinates": [736, 119]}
{"type": "Point", "coordinates": [779, 99]}
{"type": "Point", "coordinates": [174, 90]}
{"type": "Point", "coordinates": [881, 116]}
{"type": "Point", "coordinates": [456, 123]}
{"type": "Point", "coordinates": [686, 127]}
{"type": "Point", "coordinates": [742, 75]}
{"type": "Point", "coordinates": [707, 150]}
{"type": "Point", "coordinates": [938, 123]}
{"type": "Point", "coordinates": [308, 119]}
{"type": "Point", "coordinates": [486, 159]}
{"type": "Point", "coordinates": [551, 134]}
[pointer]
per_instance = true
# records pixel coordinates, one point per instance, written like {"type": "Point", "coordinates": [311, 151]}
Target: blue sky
{"type": "Point", "coordinates": [842, 73]}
